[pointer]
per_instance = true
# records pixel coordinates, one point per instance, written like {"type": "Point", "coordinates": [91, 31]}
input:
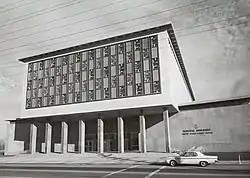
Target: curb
{"type": "Point", "coordinates": [233, 163]}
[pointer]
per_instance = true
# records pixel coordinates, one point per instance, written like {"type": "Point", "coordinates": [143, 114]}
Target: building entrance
{"type": "Point", "coordinates": [131, 141]}
{"type": "Point", "coordinates": [89, 146]}
{"type": "Point", "coordinates": [108, 145]}
{"type": "Point", "coordinates": [126, 145]}
{"type": "Point", "coordinates": [110, 142]}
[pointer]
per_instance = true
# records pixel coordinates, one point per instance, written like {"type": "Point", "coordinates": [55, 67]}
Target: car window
{"type": "Point", "coordinates": [189, 154]}
{"type": "Point", "coordinates": [183, 154]}
{"type": "Point", "coordinates": [186, 154]}
{"type": "Point", "coordinates": [194, 154]}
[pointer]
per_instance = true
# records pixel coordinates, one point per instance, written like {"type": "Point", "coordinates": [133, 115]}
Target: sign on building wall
{"type": "Point", "coordinates": [197, 131]}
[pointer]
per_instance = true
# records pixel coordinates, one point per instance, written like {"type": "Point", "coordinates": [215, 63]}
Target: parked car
{"type": "Point", "coordinates": [192, 158]}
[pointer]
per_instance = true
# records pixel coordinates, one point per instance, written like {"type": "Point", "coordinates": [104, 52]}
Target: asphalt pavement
{"type": "Point", "coordinates": [122, 171]}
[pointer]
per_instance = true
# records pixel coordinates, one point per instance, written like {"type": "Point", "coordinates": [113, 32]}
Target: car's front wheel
{"type": "Point", "coordinates": [203, 163]}
{"type": "Point", "coordinates": [173, 163]}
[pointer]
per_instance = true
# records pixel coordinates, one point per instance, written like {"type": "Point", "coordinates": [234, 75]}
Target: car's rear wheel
{"type": "Point", "coordinates": [203, 163]}
{"type": "Point", "coordinates": [173, 163]}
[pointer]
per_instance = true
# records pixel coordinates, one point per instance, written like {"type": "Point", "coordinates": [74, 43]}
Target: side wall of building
{"type": "Point", "coordinates": [12, 146]}
{"type": "Point", "coordinates": [177, 86]}
{"type": "Point", "coordinates": [155, 133]}
{"type": "Point", "coordinates": [222, 129]}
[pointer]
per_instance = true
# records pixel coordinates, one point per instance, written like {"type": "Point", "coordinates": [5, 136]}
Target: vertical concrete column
{"type": "Point", "coordinates": [33, 134]}
{"type": "Point", "coordinates": [10, 136]}
{"type": "Point", "coordinates": [167, 130]}
{"type": "Point", "coordinates": [48, 135]}
{"type": "Point", "coordinates": [100, 135]}
{"type": "Point", "coordinates": [64, 138]}
{"type": "Point", "coordinates": [142, 135]}
{"type": "Point", "coordinates": [81, 141]}
{"type": "Point", "coordinates": [120, 135]}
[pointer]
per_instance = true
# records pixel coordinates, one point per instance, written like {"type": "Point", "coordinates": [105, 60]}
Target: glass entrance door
{"type": "Point", "coordinates": [107, 145]}
{"type": "Point", "coordinates": [126, 145]}
{"type": "Point", "coordinates": [89, 147]}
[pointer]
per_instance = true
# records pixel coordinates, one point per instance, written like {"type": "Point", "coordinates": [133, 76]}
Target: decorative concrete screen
{"type": "Point", "coordinates": [125, 69]}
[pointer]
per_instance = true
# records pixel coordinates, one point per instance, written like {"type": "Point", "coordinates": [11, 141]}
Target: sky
{"type": "Point", "coordinates": [213, 36]}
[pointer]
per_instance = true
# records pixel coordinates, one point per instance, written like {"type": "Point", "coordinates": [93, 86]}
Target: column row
{"type": "Point", "coordinates": [81, 140]}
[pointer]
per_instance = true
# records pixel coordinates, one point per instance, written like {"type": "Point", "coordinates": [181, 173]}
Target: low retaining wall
{"type": "Point", "coordinates": [231, 156]}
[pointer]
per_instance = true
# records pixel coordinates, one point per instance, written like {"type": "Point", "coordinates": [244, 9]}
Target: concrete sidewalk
{"type": "Point", "coordinates": [93, 159]}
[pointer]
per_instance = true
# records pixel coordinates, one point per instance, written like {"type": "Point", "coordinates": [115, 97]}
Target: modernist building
{"type": "Point", "coordinates": [117, 95]}
{"type": "Point", "coordinates": [106, 95]}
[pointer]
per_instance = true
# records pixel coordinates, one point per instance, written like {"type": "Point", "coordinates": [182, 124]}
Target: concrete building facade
{"type": "Point", "coordinates": [219, 127]}
{"type": "Point", "coordinates": [115, 95]}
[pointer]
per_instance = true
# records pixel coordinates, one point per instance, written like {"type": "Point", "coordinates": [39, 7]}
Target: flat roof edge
{"type": "Point", "coordinates": [216, 103]}
{"type": "Point", "coordinates": [180, 61]}
{"type": "Point", "coordinates": [114, 39]}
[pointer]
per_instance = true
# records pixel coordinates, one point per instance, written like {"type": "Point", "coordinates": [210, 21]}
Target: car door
{"type": "Point", "coordinates": [185, 158]}
{"type": "Point", "coordinates": [189, 158]}
{"type": "Point", "coordinates": [195, 158]}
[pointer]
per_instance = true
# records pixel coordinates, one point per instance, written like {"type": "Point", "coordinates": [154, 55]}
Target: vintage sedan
{"type": "Point", "coordinates": [192, 158]}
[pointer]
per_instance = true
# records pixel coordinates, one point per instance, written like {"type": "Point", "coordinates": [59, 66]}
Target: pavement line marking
{"type": "Point", "coordinates": [11, 177]}
{"type": "Point", "coordinates": [155, 172]}
{"type": "Point", "coordinates": [53, 171]}
{"type": "Point", "coordinates": [122, 170]}
{"type": "Point", "coordinates": [131, 173]}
